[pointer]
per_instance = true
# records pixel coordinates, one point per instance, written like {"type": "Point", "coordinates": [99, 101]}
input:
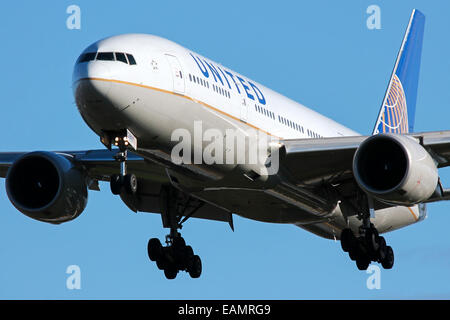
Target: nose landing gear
{"type": "Point", "coordinates": [124, 181]}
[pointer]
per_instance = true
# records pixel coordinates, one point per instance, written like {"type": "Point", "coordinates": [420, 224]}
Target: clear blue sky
{"type": "Point", "coordinates": [319, 53]}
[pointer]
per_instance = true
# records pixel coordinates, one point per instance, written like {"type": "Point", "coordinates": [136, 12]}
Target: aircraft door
{"type": "Point", "coordinates": [177, 74]}
{"type": "Point", "coordinates": [242, 103]}
{"type": "Point", "coordinates": [244, 109]}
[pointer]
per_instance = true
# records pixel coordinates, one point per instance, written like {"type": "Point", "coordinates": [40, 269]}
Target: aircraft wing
{"type": "Point", "coordinates": [99, 165]}
{"type": "Point", "coordinates": [314, 161]}
{"type": "Point", "coordinates": [306, 160]}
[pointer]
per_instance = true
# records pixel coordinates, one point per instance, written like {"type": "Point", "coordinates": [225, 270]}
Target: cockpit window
{"type": "Point", "coordinates": [89, 56]}
{"type": "Point", "coordinates": [109, 56]}
{"type": "Point", "coordinates": [120, 56]}
{"type": "Point", "coordinates": [131, 59]}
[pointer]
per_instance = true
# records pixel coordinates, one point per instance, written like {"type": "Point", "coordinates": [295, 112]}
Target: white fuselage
{"type": "Point", "coordinates": [171, 87]}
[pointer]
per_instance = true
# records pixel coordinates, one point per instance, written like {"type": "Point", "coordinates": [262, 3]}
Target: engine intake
{"type": "Point", "coordinates": [395, 169]}
{"type": "Point", "coordinates": [47, 187]}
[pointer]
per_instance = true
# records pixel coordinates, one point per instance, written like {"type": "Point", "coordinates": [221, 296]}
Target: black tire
{"type": "Point", "coordinates": [195, 268]}
{"type": "Point", "coordinates": [388, 261]}
{"type": "Point", "coordinates": [130, 183]}
{"type": "Point", "coordinates": [179, 243]}
{"type": "Point", "coordinates": [189, 252]}
{"type": "Point", "coordinates": [154, 249]}
{"type": "Point", "coordinates": [372, 238]}
{"type": "Point", "coordinates": [353, 254]}
{"type": "Point", "coordinates": [362, 263]}
{"type": "Point", "coordinates": [116, 184]}
{"type": "Point", "coordinates": [161, 263]}
{"type": "Point", "coordinates": [381, 252]}
{"type": "Point", "coordinates": [170, 273]}
{"type": "Point", "coordinates": [347, 239]}
{"type": "Point", "coordinates": [187, 258]}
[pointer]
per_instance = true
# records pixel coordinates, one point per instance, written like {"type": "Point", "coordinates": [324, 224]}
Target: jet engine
{"type": "Point", "coordinates": [46, 186]}
{"type": "Point", "coordinates": [395, 169]}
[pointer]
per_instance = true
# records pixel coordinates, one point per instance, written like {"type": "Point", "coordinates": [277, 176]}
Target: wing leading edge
{"type": "Point", "coordinates": [313, 161]}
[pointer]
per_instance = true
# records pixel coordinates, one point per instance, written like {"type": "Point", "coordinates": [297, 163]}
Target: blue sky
{"type": "Point", "coordinates": [319, 53]}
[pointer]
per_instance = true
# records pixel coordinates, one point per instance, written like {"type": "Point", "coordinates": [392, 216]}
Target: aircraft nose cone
{"type": "Point", "coordinates": [91, 83]}
{"type": "Point", "coordinates": [97, 72]}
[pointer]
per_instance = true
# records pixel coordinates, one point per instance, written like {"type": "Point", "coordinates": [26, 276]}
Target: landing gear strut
{"type": "Point", "coordinates": [124, 181]}
{"type": "Point", "coordinates": [176, 255]}
{"type": "Point", "coordinates": [367, 247]}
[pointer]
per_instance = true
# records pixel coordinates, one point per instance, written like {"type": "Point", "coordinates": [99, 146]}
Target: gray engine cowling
{"type": "Point", "coordinates": [395, 169]}
{"type": "Point", "coordinates": [47, 187]}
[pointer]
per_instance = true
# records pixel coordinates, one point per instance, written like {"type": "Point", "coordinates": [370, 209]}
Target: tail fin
{"type": "Point", "coordinates": [399, 103]}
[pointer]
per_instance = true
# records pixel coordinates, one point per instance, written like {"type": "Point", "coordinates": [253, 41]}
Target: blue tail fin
{"type": "Point", "coordinates": [399, 104]}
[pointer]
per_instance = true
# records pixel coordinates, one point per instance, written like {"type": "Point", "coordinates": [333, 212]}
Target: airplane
{"type": "Point", "coordinates": [144, 96]}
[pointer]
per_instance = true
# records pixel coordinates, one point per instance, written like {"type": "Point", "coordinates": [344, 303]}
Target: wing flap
{"type": "Point", "coordinates": [438, 145]}
{"type": "Point", "coordinates": [313, 160]}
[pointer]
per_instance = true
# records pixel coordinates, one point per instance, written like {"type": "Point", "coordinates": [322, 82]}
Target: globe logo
{"type": "Point", "coordinates": [394, 117]}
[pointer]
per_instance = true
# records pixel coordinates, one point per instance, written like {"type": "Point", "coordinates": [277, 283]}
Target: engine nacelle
{"type": "Point", "coordinates": [395, 169]}
{"type": "Point", "coordinates": [47, 187]}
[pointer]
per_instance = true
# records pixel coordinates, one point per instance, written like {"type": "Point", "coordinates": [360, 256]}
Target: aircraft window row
{"type": "Point", "coordinates": [108, 56]}
{"type": "Point", "coordinates": [205, 84]}
{"type": "Point", "coordinates": [265, 112]}
{"type": "Point", "coordinates": [313, 134]}
{"type": "Point", "coordinates": [291, 124]}
{"type": "Point", "coordinates": [199, 81]}
{"type": "Point", "coordinates": [221, 91]}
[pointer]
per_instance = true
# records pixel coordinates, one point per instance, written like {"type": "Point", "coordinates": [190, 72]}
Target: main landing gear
{"type": "Point", "coordinates": [176, 207]}
{"type": "Point", "coordinates": [176, 255]}
{"type": "Point", "coordinates": [367, 247]}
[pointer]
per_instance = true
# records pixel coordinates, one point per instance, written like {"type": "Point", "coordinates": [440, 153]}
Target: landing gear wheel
{"type": "Point", "coordinates": [116, 184]}
{"type": "Point", "coordinates": [175, 255]}
{"type": "Point", "coordinates": [362, 263]}
{"type": "Point", "coordinates": [154, 249]}
{"type": "Point", "coordinates": [388, 261]}
{"type": "Point", "coordinates": [189, 253]}
{"type": "Point", "coordinates": [179, 243]}
{"type": "Point", "coordinates": [195, 268]}
{"type": "Point", "coordinates": [347, 239]}
{"type": "Point", "coordinates": [381, 252]}
{"type": "Point", "coordinates": [170, 273]}
{"type": "Point", "coordinates": [130, 183]}
{"type": "Point", "coordinates": [161, 263]}
{"type": "Point", "coordinates": [353, 254]}
{"type": "Point", "coordinates": [372, 239]}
